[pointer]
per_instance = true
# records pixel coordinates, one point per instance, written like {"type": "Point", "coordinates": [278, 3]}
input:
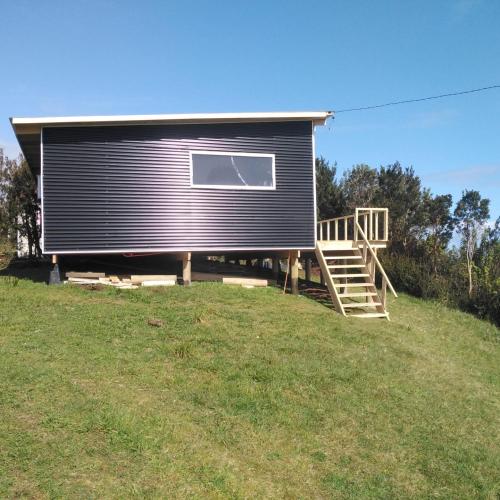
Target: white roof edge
{"type": "Point", "coordinates": [318, 117]}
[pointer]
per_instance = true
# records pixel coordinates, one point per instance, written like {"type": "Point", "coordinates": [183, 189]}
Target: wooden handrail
{"type": "Point", "coordinates": [324, 221]}
{"type": "Point", "coordinates": [374, 222]}
{"type": "Point", "coordinates": [375, 258]}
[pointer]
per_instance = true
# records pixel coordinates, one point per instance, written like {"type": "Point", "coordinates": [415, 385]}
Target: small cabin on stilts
{"type": "Point", "coordinates": [188, 184]}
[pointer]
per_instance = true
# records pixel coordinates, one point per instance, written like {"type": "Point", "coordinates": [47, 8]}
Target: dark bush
{"type": "Point", "coordinates": [415, 277]}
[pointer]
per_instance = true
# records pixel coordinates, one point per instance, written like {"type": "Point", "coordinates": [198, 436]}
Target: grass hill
{"type": "Point", "coordinates": [216, 391]}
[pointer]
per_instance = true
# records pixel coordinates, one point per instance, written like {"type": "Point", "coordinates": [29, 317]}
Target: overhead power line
{"type": "Point", "coordinates": [406, 101]}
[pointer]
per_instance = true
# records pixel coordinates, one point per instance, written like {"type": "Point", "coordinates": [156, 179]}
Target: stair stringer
{"type": "Point", "coordinates": [372, 288]}
{"type": "Point", "coordinates": [337, 303]}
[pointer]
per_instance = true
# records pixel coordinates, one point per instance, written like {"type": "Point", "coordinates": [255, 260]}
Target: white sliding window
{"type": "Point", "coordinates": [227, 170]}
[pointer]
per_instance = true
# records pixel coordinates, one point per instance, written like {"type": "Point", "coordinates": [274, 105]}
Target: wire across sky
{"type": "Point", "coordinates": [407, 101]}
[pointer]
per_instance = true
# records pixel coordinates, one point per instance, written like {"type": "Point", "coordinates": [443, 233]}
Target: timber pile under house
{"type": "Point", "coordinates": [208, 184]}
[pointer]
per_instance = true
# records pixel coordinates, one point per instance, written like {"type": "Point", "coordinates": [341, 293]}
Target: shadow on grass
{"type": "Point", "coordinates": [30, 269]}
{"type": "Point", "coordinates": [310, 289]}
{"type": "Point", "coordinates": [38, 271]}
{"type": "Point", "coordinates": [316, 292]}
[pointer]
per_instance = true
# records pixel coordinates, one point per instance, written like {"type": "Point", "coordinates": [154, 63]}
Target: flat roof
{"type": "Point", "coordinates": [318, 117]}
{"type": "Point", "coordinates": [27, 129]}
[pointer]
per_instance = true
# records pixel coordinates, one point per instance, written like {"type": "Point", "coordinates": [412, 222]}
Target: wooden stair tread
{"type": "Point", "coordinates": [360, 275]}
{"type": "Point", "coordinates": [340, 257]}
{"type": "Point", "coordinates": [337, 245]}
{"type": "Point", "coordinates": [357, 294]}
{"type": "Point", "coordinates": [351, 285]}
{"type": "Point", "coordinates": [369, 315]}
{"type": "Point", "coordinates": [361, 304]}
{"type": "Point", "coordinates": [346, 266]}
{"type": "Point", "coordinates": [346, 270]}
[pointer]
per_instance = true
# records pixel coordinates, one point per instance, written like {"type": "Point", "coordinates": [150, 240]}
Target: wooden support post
{"type": "Point", "coordinates": [373, 268]}
{"type": "Point", "coordinates": [369, 264]}
{"type": "Point", "coordinates": [368, 260]}
{"type": "Point", "coordinates": [383, 292]}
{"type": "Point", "coordinates": [343, 280]}
{"type": "Point", "coordinates": [186, 268]}
{"type": "Point", "coordinates": [276, 268]}
{"type": "Point", "coordinates": [55, 276]}
{"type": "Point", "coordinates": [308, 269]}
{"type": "Point", "coordinates": [294, 271]}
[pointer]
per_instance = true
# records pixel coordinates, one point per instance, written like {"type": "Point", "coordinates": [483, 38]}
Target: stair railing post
{"type": "Point", "coordinates": [371, 224]}
{"type": "Point", "coordinates": [328, 230]}
{"type": "Point", "coordinates": [381, 269]}
{"type": "Point", "coordinates": [356, 215]}
{"type": "Point", "coordinates": [372, 266]}
{"type": "Point", "coordinates": [336, 229]}
{"type": "Point", "coordinates": [344, 280]}
{"type": "Point", "coordinates": [386, 225]}
{"type": "Point", "coordinates": [383, 293]}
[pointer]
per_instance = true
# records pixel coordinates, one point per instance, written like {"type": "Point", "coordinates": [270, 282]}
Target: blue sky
{"type": "Point", "coordinates": [125, 57]}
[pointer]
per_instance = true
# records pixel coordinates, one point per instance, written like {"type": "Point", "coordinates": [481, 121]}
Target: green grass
{"type": "Point", "coordinates": [241, 393]}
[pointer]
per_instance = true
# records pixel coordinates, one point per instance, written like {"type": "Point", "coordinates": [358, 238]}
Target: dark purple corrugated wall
{"type": "Point", "coordinates": [127, 188]}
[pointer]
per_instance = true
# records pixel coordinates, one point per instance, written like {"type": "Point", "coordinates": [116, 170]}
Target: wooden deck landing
{"type": "Point", "coordinates": [346, 251]}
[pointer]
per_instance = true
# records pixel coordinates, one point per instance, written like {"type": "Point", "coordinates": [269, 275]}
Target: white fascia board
{"type": "Point", "coordinates": [317, 117]}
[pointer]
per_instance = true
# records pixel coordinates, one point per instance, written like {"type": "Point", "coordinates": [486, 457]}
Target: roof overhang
{"type": "Point", "coordinates": [28, 130]}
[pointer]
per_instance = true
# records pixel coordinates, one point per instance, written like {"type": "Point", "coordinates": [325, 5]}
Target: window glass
{"type": "Point", "coordinates": [232, 170]}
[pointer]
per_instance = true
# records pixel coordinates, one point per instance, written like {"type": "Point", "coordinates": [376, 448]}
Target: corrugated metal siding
{"type": "Point", "coordinates": [121, 188]}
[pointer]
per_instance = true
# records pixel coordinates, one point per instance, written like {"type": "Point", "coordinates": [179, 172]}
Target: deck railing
{"type": "Point", "coordinates": [370, 256]}
{"type": "Point", "coordinates": [374, 223]}
{"type": "Point", "coordinates": [366, 227]}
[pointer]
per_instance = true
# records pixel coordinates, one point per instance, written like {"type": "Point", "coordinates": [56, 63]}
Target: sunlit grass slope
{"type": "Point", "coordinates": [238, 393]}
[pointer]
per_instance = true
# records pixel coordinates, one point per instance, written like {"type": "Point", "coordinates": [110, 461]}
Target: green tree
{"type": "Point", "coordinates": [359, 186]}
{"type": "Point", "coordinates": [472, 213]}
{"type": "Point", "coordinates": [399, 189]}
{"type": "Point", "coordinates": [19, 205]}
{"type": "Point", "coordinates": [329, 198]}
{"type": "Point", "coordinates": [493, 233]}
{"type": "Point", "coordinates": [439, 224]}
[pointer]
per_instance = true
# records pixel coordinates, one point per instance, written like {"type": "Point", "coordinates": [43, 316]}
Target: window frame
{"type": "Point", "coordinates": [232, 186]}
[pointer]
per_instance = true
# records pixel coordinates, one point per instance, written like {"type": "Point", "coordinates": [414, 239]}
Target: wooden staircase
{"type": "Point", "coordinates": [347, 255]}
